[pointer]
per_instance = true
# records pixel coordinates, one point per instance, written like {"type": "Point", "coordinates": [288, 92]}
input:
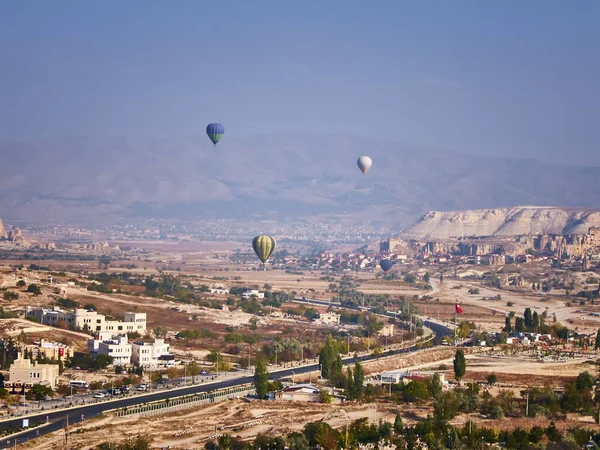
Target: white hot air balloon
{"type": "Point", "coordinates": [364, 163]}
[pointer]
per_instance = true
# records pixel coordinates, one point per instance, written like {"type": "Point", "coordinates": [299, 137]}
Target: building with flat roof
{"type": "Point", "coordinates": [24, 373]}
{"type": "Point", "coordinates": [49, 350]}
{"type": "Point", "coordinates": [118, 348]}
{"type": "Point", "coordinates": [329, 318]}
{"type": "Point", "coordinates": [82, 319]}
{"type": "Point", "coordinates": [150, 354]}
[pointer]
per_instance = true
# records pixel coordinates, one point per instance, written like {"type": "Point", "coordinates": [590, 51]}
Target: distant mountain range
{"type": "Point", "coordinates": [501, 222]}
{"type": "Point", "coordinates": [281, 177]}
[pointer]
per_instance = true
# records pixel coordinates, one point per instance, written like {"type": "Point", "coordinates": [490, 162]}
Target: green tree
{"type": "Point", "coordinates": [460, 365]}
{"type": "Point", "coordinates": [356, 380]}
{"type": "Point", "coordinates": [261, 378]}
{"type": "Point", "coordinates": [597, 346]}
{"type": "Point", "coordinates": [535, 320]}
{"type": "Point", "coordinates": [436, 386]}
{"type": "Point", "coordinates": [426, 277]}
{"type": "Point", "coordinates": [330, 359]}
{"type": "Point", "coordinates": [297, 441]}
{"type": "Point", "coordinates": [21, 283]}
{"type": "Point", "coordinates": [519, 324]}
{"type": "Point", "coordinates": [507, 325]}
{"type": "Point", "coordinates": [225, 441]}
{"type": "Point", "coordinates": [528, 318]}
{"type": "Point", "coordinates": [34, 289]}
{"type": "Point", "coordinates": [492, 379]}
{"type": "Point", "coordinates": [39, 392]}
{"type": "Point", "coordinates": [398, 424]}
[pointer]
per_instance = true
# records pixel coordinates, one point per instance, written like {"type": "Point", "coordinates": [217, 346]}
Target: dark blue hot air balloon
{"type": "Point", "coordinates": [386, 264]}
{"type": "Point", "coordinates": [215, 132]}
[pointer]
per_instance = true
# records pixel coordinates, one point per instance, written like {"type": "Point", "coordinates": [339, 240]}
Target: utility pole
{"type": "Point", "coordinates": [67, 433]}
{"type": "Point", "coordinates": [348, 344]}
{"type": "Point", "coordinates": [527, 406]}
{"type": "Point", "coordinates": [249, 357]}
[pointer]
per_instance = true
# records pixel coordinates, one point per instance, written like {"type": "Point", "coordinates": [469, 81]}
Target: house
{"type": "Point", "coordinates": [118, 348]}
{"type": "Point", "coordinates": [329, 318]}
{"type": "Point", "coordinates": [49, 350]}
{"type": "Point", "coordinates": [88, 320]}
{"type": "Point", "coordinates": [219, 291]}
{"type": "Point", "coordinates": [307, 392]}
{"type": "Point", "coordinates": [253, 293]}
{"type": "Point", "coordinates": [387, 330]}
{"type": "Point", "coordinates": [24, 373]}
{"type": "Point", "coordinates": [151, 354]}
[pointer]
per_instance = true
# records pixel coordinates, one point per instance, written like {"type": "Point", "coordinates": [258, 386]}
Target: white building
{"type": "Point", "coordinates": [88, 320]}
{"type": "Point", "coordinates": [253, 293]}
{"type": "Point", "coordinates": [396, 376]}
{"type": "Point", "coordinates": [150, 354]}
{"type": "Point", "coordinates": [219, 291]}
{"type": "Point", "coordinates": [118, 348]}
{"type": "Point", "coordinates": [329, 318]}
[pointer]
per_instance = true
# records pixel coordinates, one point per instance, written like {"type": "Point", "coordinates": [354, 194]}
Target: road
{"type": "Point", "coordinates": [58, 419]}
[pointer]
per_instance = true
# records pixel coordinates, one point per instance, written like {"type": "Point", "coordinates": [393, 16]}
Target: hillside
{"type": "Point", "coordinates": [501, 222]}
{"type": "Point", "coordinates": [280, 177]}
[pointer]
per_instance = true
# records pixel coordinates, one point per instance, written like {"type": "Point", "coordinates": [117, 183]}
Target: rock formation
{"type": "Point", "coordinates": [16, 236]}
{"type": "Point", "coordinates": [3, 234]}
{"type": "Point", "coordinates": [502, 222]}
{"type": "Point", "coordinates": [553, 232]}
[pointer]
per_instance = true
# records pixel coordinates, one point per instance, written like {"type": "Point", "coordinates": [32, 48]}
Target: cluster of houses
{"type": "Point", "coordinates": [110, 339]}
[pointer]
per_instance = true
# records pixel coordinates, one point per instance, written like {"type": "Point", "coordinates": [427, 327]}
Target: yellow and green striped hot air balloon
{"type": "Point", "coordinates": [263, 246]}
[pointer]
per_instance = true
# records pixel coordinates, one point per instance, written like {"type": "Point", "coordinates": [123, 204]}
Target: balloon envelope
{"type": "Point", "coordinates": [364, 163]}
{"type": "Point", "coordinates": [263, 246]}
{"type": "Point", "coordinates": [215, 132]}
{"type": "Point", "coordinates": [386, 264]}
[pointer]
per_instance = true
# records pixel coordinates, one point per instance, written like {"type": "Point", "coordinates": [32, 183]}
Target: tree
{"type": "Point", "coordinates": [597, 346]}
{"type": "Point", "coordinates": [39, 392]}
{"type": "Point", "coordinates": [492, 378]}
{"type": "Point", "coordinates": [535, 320]}
{"type": "Point", "coordinates": [398, 424]}
{"type": "Point", "coordinates": [507, 325]}
{"type": "Point", "coordinates": [330, 359]}
{"type": "Point", "coordinates": [436, 386]}
{"type": "Point", "coordinates": [356, 380]}
{"type": "Point", "coordinates": [460, 365]}
{"type": "Point", "coordinates": [261, 378]}
{"type": "Point", "coordinates": [34, 289]}
{"type": "Point", "coordinates": [528, 318]}
{"type": "Point", "coordinates": [160, 332]}
{"type": "Point", "coordinates": [21, 283]}
{"type": "Point", "coordinates": [519, 324]}
{"type": "Point", "coordinates": [426, 277]}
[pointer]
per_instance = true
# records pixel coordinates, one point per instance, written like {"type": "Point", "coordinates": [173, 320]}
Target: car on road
{"type": "Point", "coordinates": [141, 387]}
{"type": "Point", "coordinates": [204, 372]}
{"type": "Point", "coordinates": [99, 395]}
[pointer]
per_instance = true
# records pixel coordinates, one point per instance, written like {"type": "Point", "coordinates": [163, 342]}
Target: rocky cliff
{"type": "Point", "coordinates": [3, 234]}
{"type": "Point", "coordinates": [502, 223]}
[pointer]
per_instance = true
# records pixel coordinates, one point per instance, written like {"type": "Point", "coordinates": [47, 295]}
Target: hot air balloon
{"type": "Point", "coordinates": [386, 264]}
{"type": "Point", "coordinates": [215, 132]}
{"type": "Point", "coordinates": [364, 163]}
{"type": "Point", "coordinates": [263, 246]}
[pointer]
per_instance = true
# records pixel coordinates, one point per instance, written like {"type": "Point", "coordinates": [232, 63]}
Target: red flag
{"type": "Point", "coordinates": [458, 308]}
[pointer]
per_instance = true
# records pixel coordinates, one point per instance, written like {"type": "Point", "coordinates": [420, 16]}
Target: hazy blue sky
{"type": "Point", "coordinates": [515, 77]}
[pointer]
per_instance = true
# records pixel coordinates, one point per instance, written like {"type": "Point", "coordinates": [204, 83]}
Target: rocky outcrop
{"type": "Point", "coordinates": [101, 247]}
{"type": "Point", "coordinates": [501, 222]}
{"type": "Point", "coordinates": [3, 233]}
{"type": "Point", "coordinates": [16, 236]}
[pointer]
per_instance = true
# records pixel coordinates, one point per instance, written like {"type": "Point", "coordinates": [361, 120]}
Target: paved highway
{"type": "Point", "coordinates": [56, 420]}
